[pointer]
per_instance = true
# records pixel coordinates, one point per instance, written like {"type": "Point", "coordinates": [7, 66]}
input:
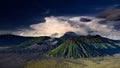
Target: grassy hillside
{"type": "Point", "coordinates": [84, 47]}
{"type": "Point", "coordinates": [32, 41]}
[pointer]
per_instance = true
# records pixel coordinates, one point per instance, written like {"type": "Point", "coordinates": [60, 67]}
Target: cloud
{"type": "Point", "coordinates": [52, 25]}
{"type": "Point", "coordinates": [62, 24]}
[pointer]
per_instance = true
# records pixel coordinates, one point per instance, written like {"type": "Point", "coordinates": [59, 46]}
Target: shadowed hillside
{"type": "Point", "coordinates": [12, 40]}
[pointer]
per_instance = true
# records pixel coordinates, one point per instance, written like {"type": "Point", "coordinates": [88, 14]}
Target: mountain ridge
{"type": "Point", "coordinates": [83, 47]}
{"type": "Point", "coordinates": [70, 45]}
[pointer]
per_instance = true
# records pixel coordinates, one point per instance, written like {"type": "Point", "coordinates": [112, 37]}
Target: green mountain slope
{"type": "Point", "coordinates": [32, 41]}
{"type": "Point", "coordinates": [82, 47]}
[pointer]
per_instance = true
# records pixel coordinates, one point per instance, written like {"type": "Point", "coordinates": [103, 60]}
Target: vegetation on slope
{"type": "Point", "coordinates": [33, 41]}
{"type": "Point", "coordinates": [84, 47]}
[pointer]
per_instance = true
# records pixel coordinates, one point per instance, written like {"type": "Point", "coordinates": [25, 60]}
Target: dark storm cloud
{"type": "Point", "coordinates": [111, 17]}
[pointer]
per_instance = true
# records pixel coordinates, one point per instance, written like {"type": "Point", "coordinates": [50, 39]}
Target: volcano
{"type": "Point", "coordinates": [70, 45]}
{"type": "Point", "coordinates": [84, 47]}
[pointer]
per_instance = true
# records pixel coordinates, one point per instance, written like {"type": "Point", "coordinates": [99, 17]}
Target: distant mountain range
{"type": "Point", "coordinates": [12, 40]}
{"type": "Point", "coordinates": [70, 45]}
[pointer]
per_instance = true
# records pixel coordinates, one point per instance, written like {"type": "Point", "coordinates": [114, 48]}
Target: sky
{"type": "Point", "coordinates": [23, 14]}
